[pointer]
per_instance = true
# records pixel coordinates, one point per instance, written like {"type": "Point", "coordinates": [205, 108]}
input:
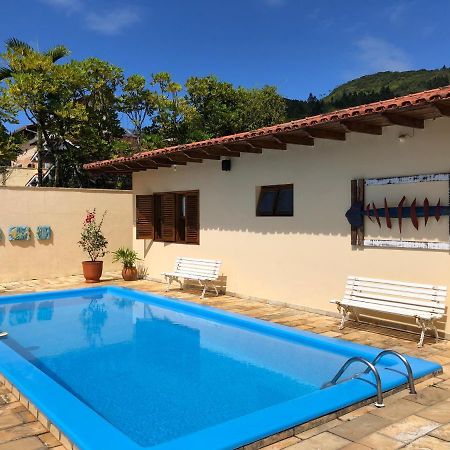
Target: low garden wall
{"type": "Point", "coordinates": [63, 211]}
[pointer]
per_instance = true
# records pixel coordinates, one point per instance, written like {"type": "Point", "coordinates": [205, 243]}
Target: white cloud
{"type": "Point", "coordinates": [396, 12]}
{"type": "Point", "coordinates": [112, 22]}
{"type": "Point", "coordinates": [67, 5]}
{"type": "Point", "coordinates": [376, 55]}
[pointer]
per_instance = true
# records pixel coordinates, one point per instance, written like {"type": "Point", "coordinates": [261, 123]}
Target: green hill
{"type": "Point", "coordinates": [399, 83]}
{"type": "Point", "coordinates": [367, 89]}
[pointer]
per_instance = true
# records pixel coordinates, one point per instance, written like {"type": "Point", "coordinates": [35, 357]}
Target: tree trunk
{"type": "Point", "coordinates": [39, 155]}
{"type": "Point", "coordinates": [57, 182]}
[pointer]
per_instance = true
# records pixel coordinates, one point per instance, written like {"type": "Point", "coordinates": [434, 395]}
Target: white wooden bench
{"type": "Point", "coordinates": [204, 271]}
{"type": "Point", "coordinates": [424, 302]}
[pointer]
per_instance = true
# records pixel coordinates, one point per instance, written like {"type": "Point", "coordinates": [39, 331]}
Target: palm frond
{"type": "Point", "coordinates": [5, 72]}
{"type": "Point", "coordinates": [57, 52]}
{"type": "Point", "coordinates": [18, 45]}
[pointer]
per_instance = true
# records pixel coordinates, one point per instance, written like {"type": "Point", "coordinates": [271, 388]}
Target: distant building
{"type": "Point", "coordinates": [24, 170]}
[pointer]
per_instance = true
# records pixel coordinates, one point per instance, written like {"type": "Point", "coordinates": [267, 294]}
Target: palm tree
{"type": "Point", "coordinates": [22, 48]}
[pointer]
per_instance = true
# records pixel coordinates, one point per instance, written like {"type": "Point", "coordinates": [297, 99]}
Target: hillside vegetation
{"type": "Point", "coordinates": [369, 88]}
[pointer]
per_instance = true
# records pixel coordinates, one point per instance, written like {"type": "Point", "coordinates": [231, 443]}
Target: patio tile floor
{"type": "Point", "coordinates": [419, 421]}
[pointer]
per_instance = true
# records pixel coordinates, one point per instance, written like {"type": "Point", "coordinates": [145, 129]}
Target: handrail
{"type": "Point", "coordinates": [370, 368]}
{"type": "Point", "coordinates": [412, 388]}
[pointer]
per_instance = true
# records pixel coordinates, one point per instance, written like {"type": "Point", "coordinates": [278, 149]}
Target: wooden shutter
{"type": "Point", "coordinates": [168, 217]}
{"type": "Point", "coordinates": [192, 218]}
{"type": "Point", "coordinates": [144, 217]}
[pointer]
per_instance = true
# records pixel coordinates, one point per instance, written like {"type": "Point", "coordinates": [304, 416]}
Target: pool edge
{"type": "Point", "coordinates": [255, 445]}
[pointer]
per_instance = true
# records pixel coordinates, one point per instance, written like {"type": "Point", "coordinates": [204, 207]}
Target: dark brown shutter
{"type": "Point", "coordinates": [168, 217]}
{"type": "Point", "coordinates": [192, 218]}
{"type": "Point", "coordinates": [144, 217]}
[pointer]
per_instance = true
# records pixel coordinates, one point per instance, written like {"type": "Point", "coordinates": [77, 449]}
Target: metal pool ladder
{"type": "Point", "coordinates": [371, 368]}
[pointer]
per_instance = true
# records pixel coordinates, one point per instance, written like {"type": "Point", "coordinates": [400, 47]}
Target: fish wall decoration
{"type": "Point", "coordinates": [355, 215]}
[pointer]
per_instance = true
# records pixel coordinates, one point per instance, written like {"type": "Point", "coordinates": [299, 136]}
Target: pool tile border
{"type": "Point", "coordinates": [41, 417]}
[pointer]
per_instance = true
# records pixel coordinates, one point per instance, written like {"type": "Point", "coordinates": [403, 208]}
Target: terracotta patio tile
{"type": "Point", "coordinates": [442, 432]}
{"type": "Point", "coordinates": [29, 443]}
{"type": "Point", "coordinates": [357, 428]}
{"type": "Point", "coordinates": [355, 446]}
{"type": "Point", "coordinates": [21, 431]}
{"type": "Point", "coordinates": [429, 396]}
{"type": "Point", "coordinates": [319, 429]}
{"type": "Point", "coordinates": [9, 420]}
{"type": "Point", "coordinates": [409, 429]}
{"type": "Point", "coordinates": [379, 441]}
{"type": "Point", "coordinates": [285, 443]}
{"type": "Point", "coordinates": [438, 413]}
{"type": "Point", "coordinates": [322, 441]}
{"type": "Point", "coordinates": [428, 443]}
{"type": "Point", "coordinates": [49, 440]}
{"type": "Point", "coordinates": [397, 410]}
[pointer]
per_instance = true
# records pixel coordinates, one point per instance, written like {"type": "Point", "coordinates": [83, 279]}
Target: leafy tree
{"type": "Point", "coordinates": [73, 105]}
{"type": "Point", "coordinates": [223, 109]}
{"type": "Point", "coordinates": [259, 108]}
{"type": "Point", "coordinates": [95, 132]}
{"type": "Point", "coordinates": [23, 63]}
{"type": "Point", "coordinates": [138, 103]}
{"type": "Point", "coordinates": [9, 144]}
{"type": "Point", "coordinates": [174, 117]}
{"type": "Point", "coordinates": [216, 103]}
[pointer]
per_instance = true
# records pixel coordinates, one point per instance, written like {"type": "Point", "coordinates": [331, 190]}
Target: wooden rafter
{"type": "Point", "coordinates": [160, 162]}
{"type": "Point", "coordinates": [443, 108]}
{"type": "Point", "coordinates": [362, 127]}
{"type": "Point", "coordinates": [221, 150]}
{"type": "Point", "coordinates": [168, 161]}
{"type": "Point", "coordinates": [405, 121]}
{"type": "Point", "coordinates": [204, 154]}
{"type": "Point", "coordinates": [146, 165]}
{"type": "Point", "coordinates": [295, 138]}
{"type": "Point", "coordinates": [244, 147]}
{"type": "Point", "coordinates": [267, 143]}
{"type": "Point", "coordinates": [322, 133]}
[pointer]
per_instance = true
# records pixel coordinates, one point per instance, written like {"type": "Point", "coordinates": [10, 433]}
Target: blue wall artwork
{"type": "Point", "coordinates": [19, 233]}
{"type": "Point", "coordinates": [43, 233]}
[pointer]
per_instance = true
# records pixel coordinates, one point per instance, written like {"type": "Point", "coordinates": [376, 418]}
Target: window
{"type": "Point", "coordinates": [276, 200]}
{"type": "Point", "coordinates": [168, 217]}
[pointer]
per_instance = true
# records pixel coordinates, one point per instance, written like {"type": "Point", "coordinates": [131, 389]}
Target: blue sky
{"type": "Point", "coordinates": [300, 46]}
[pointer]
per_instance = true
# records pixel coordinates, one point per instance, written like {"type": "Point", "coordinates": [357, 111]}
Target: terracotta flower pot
{"type": "Point", "coordinates": [92, 271]}
{"type": "Point", "coordinates": [129, 273]}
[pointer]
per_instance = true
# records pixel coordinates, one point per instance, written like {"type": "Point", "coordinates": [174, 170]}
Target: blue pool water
{"type": "Point", "coordinates": [157, 370]}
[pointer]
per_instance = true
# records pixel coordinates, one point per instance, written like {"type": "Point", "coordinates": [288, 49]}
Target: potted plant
{"type": "Point", "coordinates": [94, 243]}
{"type": "Point", "coordinates": [128, 259]}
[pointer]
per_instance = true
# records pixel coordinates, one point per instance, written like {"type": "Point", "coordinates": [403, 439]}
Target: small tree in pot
{"type": "Point", "coordinates": [128, 259]}
{"type": "Point", "coordinates": [94, 243]}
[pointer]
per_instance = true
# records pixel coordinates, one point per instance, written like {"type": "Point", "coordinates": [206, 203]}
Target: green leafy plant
{"type": "Point", "coordinates": [92, 241]}
{"type": "Point", "coordinates": [126, 256]}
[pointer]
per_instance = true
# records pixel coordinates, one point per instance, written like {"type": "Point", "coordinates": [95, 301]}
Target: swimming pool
{"type": "Point", "coordinates": [120, 369]}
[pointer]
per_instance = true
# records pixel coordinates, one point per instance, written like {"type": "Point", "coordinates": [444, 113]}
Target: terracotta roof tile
{"type": "Point", "coordinates": [399, 103]}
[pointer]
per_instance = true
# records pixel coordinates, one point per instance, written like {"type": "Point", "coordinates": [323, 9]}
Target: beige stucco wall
{"type": "Point", "coordinates": [305, 259]}
{"type": "Point", "coordinates": [64, 210]}
{"type": "Point", "coordinates": [17, 176]}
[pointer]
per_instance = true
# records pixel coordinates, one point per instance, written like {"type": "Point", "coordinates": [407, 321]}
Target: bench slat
{"type": "Point", "coordinates": [373, 301]}
{"type": "Point", "coordinates": [206, 262]}
{"type": "Point", "coordinates": [388, 298]}
{"type": "Point", "coordinates": [396, 294]}
{"type": "Point", "coordinates": [398, 283]}
{"type": "Point", "coordinates": [195, 269]}
{"type": "Point", "coordinates": [393, 310]}
{"type": "Point", "coordinates": [396, 289]}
